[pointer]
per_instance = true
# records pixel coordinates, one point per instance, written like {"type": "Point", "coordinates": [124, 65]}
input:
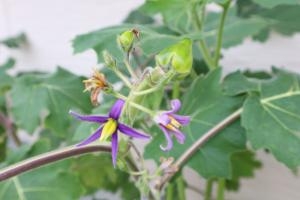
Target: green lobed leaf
{"type": "Point", "coordinates": [207, 106]}
{"type": "Point", "coordinates": [243, 165]}
{"type": "Point", "coordinates": [271, 117]}
{"type": "Point", "coordinates": [273, 3]}
{"type": "Point", "coordinates": [53, 181]}
{"type": "Point", "coordinates": [37, 97]}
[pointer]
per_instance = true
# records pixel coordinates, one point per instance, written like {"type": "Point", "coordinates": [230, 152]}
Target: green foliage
{"type": "Point", "coordinates": [243, 166]}
{"type": "Point", "coordinates": [271, 117]}
{"type": "Point", "coordinates": [207, 106]}
{"type": "Point", "coordinates": [48, 98]}
{"type": "Point", "coordinates": [96, 172]}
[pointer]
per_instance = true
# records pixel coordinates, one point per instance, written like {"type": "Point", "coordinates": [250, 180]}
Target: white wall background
{"type": "Point", "coordinates": [50, 26]}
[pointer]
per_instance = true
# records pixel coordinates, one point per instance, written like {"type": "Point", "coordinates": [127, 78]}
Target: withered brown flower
{"type": "Point", "coordinates": [94, 85]}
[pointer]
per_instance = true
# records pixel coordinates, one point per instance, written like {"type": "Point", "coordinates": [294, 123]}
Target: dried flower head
{"type": "Point", "coordinates": [94, 85]}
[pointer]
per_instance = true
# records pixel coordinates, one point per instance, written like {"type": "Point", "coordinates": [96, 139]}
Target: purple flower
{"type": "Point", "coordinates": [169, 122]}
{"type": "Point", "coordinates": [110, 127]}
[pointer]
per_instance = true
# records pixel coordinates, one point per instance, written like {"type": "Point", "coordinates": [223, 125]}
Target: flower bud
{"type": "Point", "coordinates": [126, 39]}
{"type": "Point", "coordinates": [109, 60]}
{"type": "Point", "coordinates": [179, 56]}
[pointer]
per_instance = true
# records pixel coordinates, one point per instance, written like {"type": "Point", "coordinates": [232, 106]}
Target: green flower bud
{"type": "Point", "coordinates": [179, 56]}
{"type": "Point", "coordinates": [109, 59]}
{"type": "Point", "coordinates": [126, 39]}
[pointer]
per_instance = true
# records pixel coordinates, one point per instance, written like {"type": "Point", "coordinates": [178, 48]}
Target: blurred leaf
{"type": "Point", "coordinates": [96, 172]}
{"type": "Point", "coordinates": [276, 108]}
{"type": "Point", "coordinates": [236, 83]}
{"type": "Point", "coordinates": [273, 3]}
{"type": "Point", "coordinates": [181, 22]}
{"type": "Point", "coordinates": [151, 41]}
{"type": "Point", "coordinates": [207, 106]}
{"type": "Point", "coordinates": [36, 96]}
{"type": "Point", "coordinates": [283, 18]}
{"type": "Point", "coordinates": [138, 17]}
{"type": "Point", "coordinates": [243, 165]}
{"type": "Point", "coordinates": [15, 41]}
{"type": "Point", "coordinates": [5, 79]}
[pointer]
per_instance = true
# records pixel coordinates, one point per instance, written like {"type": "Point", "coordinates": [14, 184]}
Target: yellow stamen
{"type": "Point", "coordinates": [108, 129]}
{"type": "Point", "coordinates": [174, 124]}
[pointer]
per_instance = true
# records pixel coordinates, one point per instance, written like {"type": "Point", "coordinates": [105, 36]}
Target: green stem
{"type": "Point", "coordinates": [220, 33]}
{"type": "Point", "coordinates": [221, 189]}
{"type": "Point", "coordinates": [202, 44]}
{"type": "Point", "coordinates": [180, 188]}
{"type": "Point", "coordinates": [129, 68]}
{"type": "Point", "coordinates": [170, 192]}
{"type": "Point", "coordinates": [176, 90]}
{"type": "Point", "coordinates": [208, 189]}
{"type": "Point", "coordinates": [140, 107]}
{"type": "Point", "coordinates": [123, 78]}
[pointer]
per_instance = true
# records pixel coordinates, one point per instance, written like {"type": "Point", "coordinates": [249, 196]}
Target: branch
{"type": "Point", "coordinates": [199, 143]}
{"type": "Point", "coordinates": [47, 158]}
{"type": "Point", "coordinates": [9, 128]}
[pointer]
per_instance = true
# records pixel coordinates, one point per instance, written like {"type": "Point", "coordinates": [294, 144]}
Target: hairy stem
{"type": "Point", "coordinates": [129, 69]}
{"type": "Point", "coordinates": [200, 142]}
{"type": "Point", "coordinates": [47, 158]}
{"type": "Point", "coordinates": [220, 33]}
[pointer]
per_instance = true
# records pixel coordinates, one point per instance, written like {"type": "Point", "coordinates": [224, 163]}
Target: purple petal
{"type": "Point", "coordinates": [131, 132]}
{"type": "Point", "coordinates": [162, 119]}
{"type": "Point", "coordinates": [114, 148]}
{"type": "Point", "coordinates": [179, 136]}
{"type": "Point", "coordinates": [175, 106]}
{"type": "Point", "coordinates": [89, 118]}
{"type": "Point", "coordinates": [168, 138]}
{"type": "Point", "coordinates": [92, 138]}
{"type": "Point", "coordinates": [183, 120]}
{"type": "Point", "coordinates": [116, 109]}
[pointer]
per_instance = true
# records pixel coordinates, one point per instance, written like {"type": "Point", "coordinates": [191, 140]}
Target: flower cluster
{"type": "Point", "coordinates": [168, 121]}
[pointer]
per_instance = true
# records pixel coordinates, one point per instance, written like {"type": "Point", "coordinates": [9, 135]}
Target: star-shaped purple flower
{"type": "Point", "coordinates": [110, 127]}
{"type": "Point", "coordinates": [169, 122]}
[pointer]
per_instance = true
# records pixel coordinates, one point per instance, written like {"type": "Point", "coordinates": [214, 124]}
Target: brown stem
{"type": "Point", "coordinates": [9, 129]}
{"type": "Point", "coordinates": [47, 158]}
